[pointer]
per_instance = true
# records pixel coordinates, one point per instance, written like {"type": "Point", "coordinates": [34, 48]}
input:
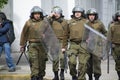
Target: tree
{"type": "Point", "coordinates": [2, 3]}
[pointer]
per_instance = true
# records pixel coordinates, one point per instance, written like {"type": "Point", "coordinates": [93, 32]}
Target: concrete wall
{"type": "Point", "coordinates": [108, 9]}
{"type": "Point", "coordinates": [118, 4]}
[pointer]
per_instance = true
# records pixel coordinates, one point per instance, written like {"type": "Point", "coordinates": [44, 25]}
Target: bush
{"type": "Point", "coordinates": [2, 3]}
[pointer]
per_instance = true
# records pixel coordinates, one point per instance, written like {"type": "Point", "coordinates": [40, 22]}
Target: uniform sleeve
{"type": "Point", "coordinates": [65, 39]}
{"type": "Point", "coordinates": [50, 20]}
{"type": "Point", "coordinates": [103, 30]}
{"type": "Point", "coordinates": [109, 34]}
{"type": "Point", "coordinates": [24, 34]}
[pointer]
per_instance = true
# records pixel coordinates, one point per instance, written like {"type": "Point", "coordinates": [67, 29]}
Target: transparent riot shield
{"type": "Point", "coordinates": [50, 41]}
{"type": "Point", "coordinates": [94, 42]}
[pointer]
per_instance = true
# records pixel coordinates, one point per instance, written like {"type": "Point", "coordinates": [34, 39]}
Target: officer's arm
{"type": "Point", "coordinates": [103, 30]}
{"type": "Point", "coordinates": [65, 35]}
{"type": "Point", "coordinates": [24, 34]}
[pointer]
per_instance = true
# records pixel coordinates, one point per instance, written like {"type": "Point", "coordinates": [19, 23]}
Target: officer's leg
{"type": "Point", "coordinates": [72, 55]}
{"type": "Point", "coordinates": [96, 67]}
{"type": "Point", "coordinates": [42, 62]}
{"type": "Point", "coordinates": [72, 66]}
{"type": "Point", "coordinates": [90, 67]}
{"type": "Point", "coordinates": [82, 67]}
{"type": "Point", "coordinates": [116, 57]}
{"type": "Point", "coordinates": [118, 72]}
{"type": "Point", "coordinates": [117, 67]}
{"type": "Point", "coordinates": [34, 61]}
{"type": "Point", "coordinates": [56, 69]}
{"type": "Point", "coordinates": [62, 66]}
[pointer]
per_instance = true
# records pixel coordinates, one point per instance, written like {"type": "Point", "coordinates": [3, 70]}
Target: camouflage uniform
{"type": "Point", "coordinates": [114, 37]}
{"type": "Point", "coordinates": [76, 28]}
{"type": "Point", "coordinates": [60, 27]}
{"type": "Point", "coordinates": [94, 63]}
{"type": "Point", "coordinates": [37, 56]}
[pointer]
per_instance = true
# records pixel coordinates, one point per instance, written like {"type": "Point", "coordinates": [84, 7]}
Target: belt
{"type": "Point", "coordinates": [77, 42]}
{"type": "Point", "coordinates": [34, 42]}
{"type": "Point", "coordinates": [60, 40]}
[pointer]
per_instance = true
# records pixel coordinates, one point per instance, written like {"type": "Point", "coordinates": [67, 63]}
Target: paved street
{"type": "Point", "coordinates": [24, 70]}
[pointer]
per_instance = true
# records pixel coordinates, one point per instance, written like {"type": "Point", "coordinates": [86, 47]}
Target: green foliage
{"type": "Point", "coordinates": [2, 3]}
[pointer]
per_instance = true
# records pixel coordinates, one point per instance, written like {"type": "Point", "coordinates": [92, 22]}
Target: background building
{"type": "Point", "coordinates": [19, 11]}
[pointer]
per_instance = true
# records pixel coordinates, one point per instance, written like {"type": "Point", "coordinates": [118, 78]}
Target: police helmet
{"type": "Point", "coordinates": [117, 14]}
{"type": "Point", "coordinates": [57, 9]}
{"type": "Point", "coordinates": [36, 9]}
{"type": "Point", "coordinates": [45, 14]}
{"type": "Point", "coordinates": [92, 11]}
{"type": "Point", "coordinates": [77, 8]}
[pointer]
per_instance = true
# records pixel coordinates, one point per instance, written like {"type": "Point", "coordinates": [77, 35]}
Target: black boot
{"type": "Point", "coordinates": [40, 78]}
{"type": "Point", "coordinates": [118, 72]}
{"type": "Point", "coordinates": [62, 74]}
{"type": "Point", "coordinates": [74, 78]}
{"type": "Point", "coordinates": [34, 78]}
{"type": "Point", "coordinates": [56, 75]}
{"type": "Point", "coordinates": [97, 76]}
{"type": "Point", "coordinates": [90, 77]}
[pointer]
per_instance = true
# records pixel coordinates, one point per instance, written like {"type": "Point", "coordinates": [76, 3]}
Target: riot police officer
{"type": "Point", "coordinates": [114, 37]}
{"type": "Point", "coordinates": [76, 28]}
{"type": "Point", "coordinates": [36, 52]}
{"type": "Point", "coordinates": [94, 63]}
{"type": "Point", "coordinates": [60, 28]}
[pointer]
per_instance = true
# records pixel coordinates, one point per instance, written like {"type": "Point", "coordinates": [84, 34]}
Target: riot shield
{"type": "Point", "coordinates": [94, 42]}
{"type": "Point", "coordinates": [50, 41]}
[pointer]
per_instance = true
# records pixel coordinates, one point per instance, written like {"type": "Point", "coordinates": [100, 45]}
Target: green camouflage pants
{"type": "Point", "coordinates": [56, 62]}
{"type": "Point", "coordinates": [37, 58]}
{"type": "Point", "coordinates": [116, 56]}
{"type": "Point", "coordinates": [94, 66]}
{"type": "Point", "coordinates": [76, 51]}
